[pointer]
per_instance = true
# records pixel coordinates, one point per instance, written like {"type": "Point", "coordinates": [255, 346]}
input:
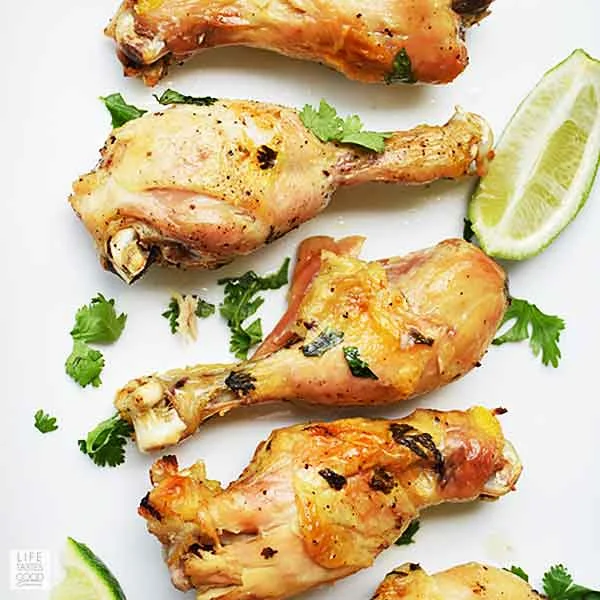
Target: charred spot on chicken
{"type": "Point", "coordinates": [266, 157]}
{"type": "Point", "coordinates": [335, 480]}
{"type": "Point", "coordinates": [421, 444]}
{"type": "Point", "coordinates": [240, 382]}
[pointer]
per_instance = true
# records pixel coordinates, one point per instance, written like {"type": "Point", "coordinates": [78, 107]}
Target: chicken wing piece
{"type": "Point", "coordinates": [472, 581]}
{"type": "Point", "coordinates": [319, 502]}
{"type": "Point", "coordinates": [385, 40]}
{"type": "Point", "coordinates": [196, 186]}
{"type": "Point", "coordinates": [364, 333]}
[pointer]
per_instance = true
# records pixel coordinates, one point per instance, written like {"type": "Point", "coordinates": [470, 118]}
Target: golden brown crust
{"type": "Point", "coordinates": [321, 501]}
{"type": "Point", "coordinates": [361, 40]}
{"type": "Point", "coordinates": [471, 581]}
{"type": "Point", "coordinates": [190, 186]}
{"type": "Point", "coordinates": [415, 333]}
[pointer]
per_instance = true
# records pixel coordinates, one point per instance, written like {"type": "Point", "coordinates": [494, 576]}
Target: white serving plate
{"type": "Point", "coordinates": [56, 64]}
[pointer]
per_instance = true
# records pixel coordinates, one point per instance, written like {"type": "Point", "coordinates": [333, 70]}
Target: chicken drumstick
{"type": "Point", "coordinates": [319, 502]}
{"type": "Point", "coordinates": [363, 333]}
{"type": "Point", "coordinates": [382, 40]}
{"type": "Point", "coordinates": [472, 581]}
{"type": "Point", "coordinates": [196, 186]}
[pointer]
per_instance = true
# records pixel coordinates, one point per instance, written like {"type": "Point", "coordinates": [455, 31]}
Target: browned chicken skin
{"type": "Point", "coordinates": [472, 581]}
{"type": "Point", "coordinates": [319, 502]}
{"type": "Point", "coordinates": [419, 322]}
{"type": "Point", "coordinates": [196, 186]}
{"type": "Point", "coordinates": [363, 40]}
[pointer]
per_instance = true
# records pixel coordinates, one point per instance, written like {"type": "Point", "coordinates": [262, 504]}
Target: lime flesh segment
{"type": "Point", "coordinates": [87, 577]}
{"type": "Point", "coordinates": [545, 163]}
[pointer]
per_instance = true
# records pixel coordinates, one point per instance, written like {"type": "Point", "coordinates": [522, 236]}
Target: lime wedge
{"type": "Point", "coordinates": [87, 577]}
{"type": "Point", "coordinates": [545, 163]}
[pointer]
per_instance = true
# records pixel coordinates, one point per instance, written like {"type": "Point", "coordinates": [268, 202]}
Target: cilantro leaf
{"type": "Point", "coordinates": [241, 301]}
{"type": "Point", "coordinates": [204, 309]}
{"type": "Point", "coordinates": [542, 330]}
{"type": "Point", "coordinates": [172, 314]}
{"type": "Point", "coordinates": [105, 444]}
{"type": "Point", "coordinates": [324, 123]}
{"type": "Point", "coordinates": [84, 364]}
{"type": "Point", "coordinates": [519, 573]}
{"type": "Point", "coordinates": [558, 585]}
{"type": "Point", "coordinates": [409, 533]}
{"type": "Point", "coordinates": [402, 71]}
{"type": "Point", "coordinates": [98, 321]}
{"type": "Point", "coordinates": [329, 127]}
{"type": "Point", "coordinates": [242, 339]}
{"type": "Point", "coordinates": [172, 97]}
{"type": "Point", "coordinates": [120, 111]}
{"type": "Point", "coordinates": [358, 367]}
{"type": "Point", "coordinates": [44, 422]}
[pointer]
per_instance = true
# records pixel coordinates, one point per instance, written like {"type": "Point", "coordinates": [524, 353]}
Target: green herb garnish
{"type": "Point", "coordinates": [543, 331]}
{"type": "Point", "coordinates": [120, 111]}
{"type": "Point", "coordinates": [172, 314]}
{"type": "Point", "coordinates": [98, 322]}
{"type": "Point", "coordinates": [329, 127]}
{"type": "Point", "coordinates": [401, 69]}
{"type": "Point", "coordinates": [84, 364]}
{"type": "Point", "coordinates": [409, 533]}
{"type": "Point", "coordinates": [240, 301]}
{"type": "Point", "coordinates": [203, 310]}
{"type": "Point", "coordinates": [358, 367]}
{"type": "Point", "coordinates": [519, 573]}
{"type": "Point", "coordinates": [326, 340]}
{"type": "Point", "coordinates": [172, 97]}
{"type": "Point", "coordinates": [44, 422]}
{"type": "Point", "coordinates": [105, 444]}
{"type": "Point", "coordinates": [558, 585]}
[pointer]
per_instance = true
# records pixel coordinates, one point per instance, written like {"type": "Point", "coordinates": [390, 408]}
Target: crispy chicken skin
{"type": "Point", "coordinates": [361, 40]}
{"type": "Point", "coordinates": [195, 186]}
{"type": "Point", "coordinates": [472, 581]}
{"type": "Point", "coordinates": [419, 321]}
{"type": "Point", "coordinates": [320, 501]}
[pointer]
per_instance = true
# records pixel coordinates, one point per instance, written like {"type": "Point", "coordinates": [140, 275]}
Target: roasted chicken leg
{"type": "Point", "coordinates": [195, 186]}
{"type": "Point", "coordinates": [319, 502]}
{"type": "Point", "coordinates": [472, 581]}
{"type": "Point", "coordinates": [414, 323]}
{"type": "Point", "coordinates": [385, 40]}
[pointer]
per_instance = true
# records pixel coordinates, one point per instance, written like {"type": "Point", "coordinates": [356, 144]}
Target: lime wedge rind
{"type": "Point", "coordinates": [87, 577]}
{"type": "Point", "coordinates": [519, 152]}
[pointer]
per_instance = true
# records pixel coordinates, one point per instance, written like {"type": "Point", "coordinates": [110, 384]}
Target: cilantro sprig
{"type": "Point", "coordinates": [44, 423]}
{"type": "Point", "coordinates": [558, 584]}
{"type": "Point", "coordinates": [325, 123]}
{"type": "Point", "coordinates": [105, 444]}
{"type": "Point", "coordinates": [241, 301]}
{"type": "Point", "coordinates": [98, 322]}
{"type": "Point", "coordinates": [408, 534]}
{"type": "Point", "coordinates": [120, 111]}
{"type": "Point", "coordinates": [543, 331]}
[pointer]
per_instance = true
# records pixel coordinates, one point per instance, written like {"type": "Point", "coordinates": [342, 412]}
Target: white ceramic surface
{"type": "Point", "coordinates": [56, 64]}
